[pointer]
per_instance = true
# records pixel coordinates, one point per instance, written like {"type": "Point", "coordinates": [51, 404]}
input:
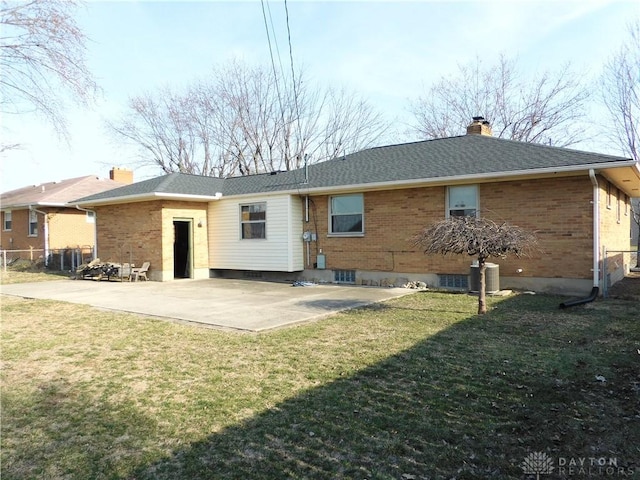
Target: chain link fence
{"type": "Point", "coordinates": [56, 259]}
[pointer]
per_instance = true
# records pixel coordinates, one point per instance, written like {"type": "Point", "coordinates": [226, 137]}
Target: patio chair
{"type": "Point", "coordinates": [125, 272]}
{"type": "Point", "coordinates": [141, 272]}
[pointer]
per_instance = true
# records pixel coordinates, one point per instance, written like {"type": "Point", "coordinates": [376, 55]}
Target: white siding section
{"type": "Point", "coordinates": [281, 251]}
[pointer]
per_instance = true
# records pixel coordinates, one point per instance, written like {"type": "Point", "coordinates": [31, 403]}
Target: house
{"type": "Point", "coordinates": [349, 219]}
{"type": "Point", "coordinates": [39, 218]}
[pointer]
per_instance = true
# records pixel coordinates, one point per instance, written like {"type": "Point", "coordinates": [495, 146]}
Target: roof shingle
{"type": "Point", "coordinates": [460, 156]}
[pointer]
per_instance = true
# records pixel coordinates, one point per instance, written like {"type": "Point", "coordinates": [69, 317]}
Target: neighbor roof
{"type": "Point", "coordinates": [447, 159]}
{"type": "Point", "coordinates": [56, 193]}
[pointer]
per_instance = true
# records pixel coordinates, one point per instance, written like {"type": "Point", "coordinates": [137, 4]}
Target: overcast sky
{"type": "Point", "coordinates": [389, 52]}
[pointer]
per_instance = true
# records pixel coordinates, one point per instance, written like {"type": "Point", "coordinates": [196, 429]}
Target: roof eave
{"type": "Point", "coordinates": [147, 197]}
{"type": "Point", "coordinates": [17, 206]}
{"type": "Point", "coordinates": [457, 179]}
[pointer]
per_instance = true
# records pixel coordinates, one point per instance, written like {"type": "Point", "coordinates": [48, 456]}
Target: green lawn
{"type": "Point", "coordinates": [415, 388]}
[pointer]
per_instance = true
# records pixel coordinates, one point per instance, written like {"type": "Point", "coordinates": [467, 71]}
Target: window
{"type": "Point", "coordinates": [344, 276]}
{"type": "Point", "coordinates": [7, 221]}
{"type": "Point", "coordinates": [618, 204]}
{"type": "Point", "coordinates": [453, 281]}
{"type": "Point", "coordinates": [608, 195]}
{"type": "Point", "coordinates": [346, 214]}
{"type": "Point", "coordinates": [33, 223]}
{"type": "Point", "coordinates": [91, 217]}
{"type": "Point", "coordinates": [626, 205]}
{"type": "Point", "coordinates": [463, 201]}
{"type": "Point", "coordinates": [253, 221]}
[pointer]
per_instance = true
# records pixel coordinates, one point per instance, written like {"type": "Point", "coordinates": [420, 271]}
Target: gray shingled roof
{"type": "Point", "coordinates": [461, 156]}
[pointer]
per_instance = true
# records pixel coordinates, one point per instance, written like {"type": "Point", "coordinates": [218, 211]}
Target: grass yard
{"type": "Point", "coordinates": [415, 388]}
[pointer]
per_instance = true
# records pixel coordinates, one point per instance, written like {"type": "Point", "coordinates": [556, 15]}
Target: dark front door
{"type": "Point", "coordinates": [182, 249]}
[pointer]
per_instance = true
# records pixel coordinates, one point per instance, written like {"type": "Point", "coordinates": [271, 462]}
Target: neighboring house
{"type": "Point", "coordinates": [350, 219]}
{"type": "Point", "coordinates": [39, 217]}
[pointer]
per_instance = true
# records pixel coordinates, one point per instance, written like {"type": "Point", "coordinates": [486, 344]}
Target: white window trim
{"type": "Point", "coordinates": [35, 215]}
{"type": "Point", "coordinates": [242, 222]}
{"type": "Point", "coordinates": [330, 223]}
{"type": "Point", "coordinates": [4, 221]}
{"type": "Point", "coordinates": [446, 193]}
{"type": "Point", "coordinates": [627, 200]}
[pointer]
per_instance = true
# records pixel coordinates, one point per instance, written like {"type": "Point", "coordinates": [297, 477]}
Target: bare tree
{"type": "Point", "coordinates": [543, 110]}
{"type": "Point", "coordinates": [478, 237]}
{"type": "Point", "coordinates": [42, 58]}
{"type": "Point", "coordinates": [620, 92]}
{"type": "Point", "coordinates": [244, 120]}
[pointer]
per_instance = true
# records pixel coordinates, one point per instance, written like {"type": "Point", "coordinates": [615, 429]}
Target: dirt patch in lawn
{"type": "Point", "coordinates": [628, 288]}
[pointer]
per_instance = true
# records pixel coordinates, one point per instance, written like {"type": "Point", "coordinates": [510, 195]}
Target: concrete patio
{"type": "Point", "coordinates": [244, 305]}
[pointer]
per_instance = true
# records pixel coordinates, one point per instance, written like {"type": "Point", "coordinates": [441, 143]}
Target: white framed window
{"type": "Point", "coordinates": [33, 223]}
{"type": "Point", "coordinates": [253, 221]}
{"type": "Point", "coordinates": [6, 221]}
{"type": "Point", "coordinates": [462, 201]}
{"type": "Point", "coordinates": [626, 205]}
{"type": "Point", "coordinates": [91, 217]}
{"type": "Point", "coordinates": [346, 214]}
{"type": "Point", "coordinates": [609, 195]}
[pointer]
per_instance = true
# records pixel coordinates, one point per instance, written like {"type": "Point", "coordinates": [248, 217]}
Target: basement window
{"type": "Point", "coordinates": [453, 281]}
{"type": "Point", "coordinates": [344, 276]}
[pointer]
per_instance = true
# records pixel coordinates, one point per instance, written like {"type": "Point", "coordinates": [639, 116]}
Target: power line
{"type": "Point", "coordinates": [293, 74]}
{"type": "Point", "coordinates": [273, 63]}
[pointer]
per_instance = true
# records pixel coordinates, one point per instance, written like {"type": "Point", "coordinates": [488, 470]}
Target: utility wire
{"type": "Point", "coordinates": [273, 63]}
{"type": "Point", "coordinates": [293, 75]}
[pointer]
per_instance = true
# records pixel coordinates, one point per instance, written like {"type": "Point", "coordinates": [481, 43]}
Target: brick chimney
{"type": "Point", "coordinates": [121, 175]}
{"type": "Point", "coordinates": [479, 126]}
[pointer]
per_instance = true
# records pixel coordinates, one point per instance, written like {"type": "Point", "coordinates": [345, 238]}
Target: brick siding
{"type": "Point", "coordinates": [558, 210]}
{"type": "Point", "coordinates": [143, 232]}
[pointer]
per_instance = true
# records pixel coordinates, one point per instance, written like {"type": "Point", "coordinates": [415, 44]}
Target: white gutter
{"type": "Point", "coordinates": [95, 230]}
{"type": "Point", "coordinates": [46, 232]}
{"type": "Point", "coordinates": [596, 228]}
{"type": "Point", "coordinates": [439, 181]}
{"type": "Point", "coordinates": [142, 197]}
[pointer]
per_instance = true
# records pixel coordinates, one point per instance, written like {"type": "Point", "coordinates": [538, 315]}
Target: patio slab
{"type": "Point", "coordinates": [246, 305]}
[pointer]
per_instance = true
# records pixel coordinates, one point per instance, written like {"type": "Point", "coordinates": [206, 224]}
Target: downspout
{"type": "Point", "coordinates": [46, 233]}
{"type": "Point", "coordinates": [95, 230]}
{"type": "Point", "coordinates": [596, 247]}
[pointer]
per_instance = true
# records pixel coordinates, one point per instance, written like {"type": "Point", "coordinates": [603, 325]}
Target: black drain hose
{"type": "Point", "coordinates": [579, 301]}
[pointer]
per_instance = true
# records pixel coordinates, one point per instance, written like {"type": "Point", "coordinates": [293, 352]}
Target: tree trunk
{"type": "Point", "coordinates": [482, 295]}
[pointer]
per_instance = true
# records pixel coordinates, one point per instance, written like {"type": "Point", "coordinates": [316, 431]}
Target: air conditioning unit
{"type": "Point", "coordinates": [491, 277]}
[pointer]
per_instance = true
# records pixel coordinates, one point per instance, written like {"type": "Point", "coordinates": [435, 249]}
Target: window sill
{"type": "Point", "coordinates": [339, 235]}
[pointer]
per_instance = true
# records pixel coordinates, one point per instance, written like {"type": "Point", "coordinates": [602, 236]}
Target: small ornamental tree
{"type": "Point", "coordinates": [479, 237]}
